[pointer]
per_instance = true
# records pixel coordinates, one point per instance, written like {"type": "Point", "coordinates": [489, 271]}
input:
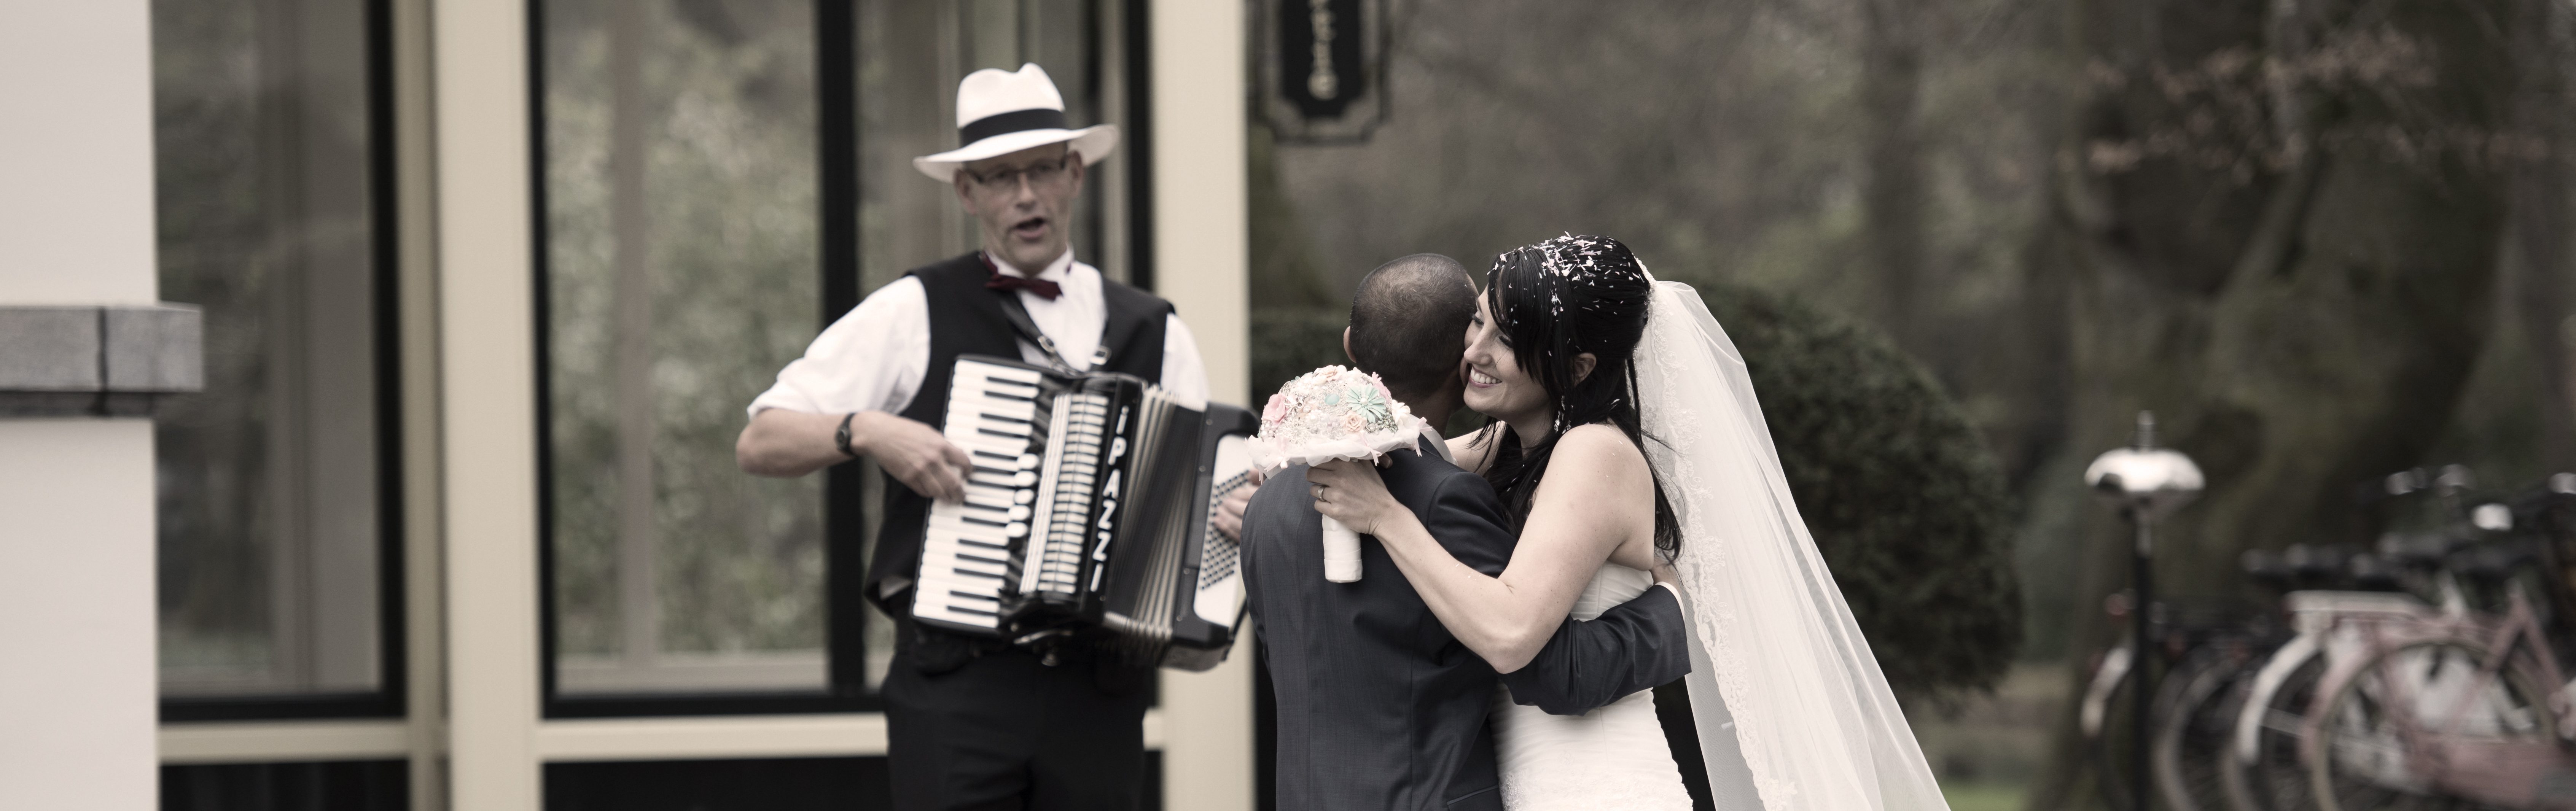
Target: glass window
{"type": "Point", "coordinates": [680, 274]}
{"type": "Point", "coordinates": [685, 264]}
{"type": "Point", "coordinates": [273, 482]}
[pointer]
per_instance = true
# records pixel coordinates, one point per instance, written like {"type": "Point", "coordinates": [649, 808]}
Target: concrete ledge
{"type": "Point", "coordinates": [60, 361]}
{"type": "Point", "coordinates": [51, 349]}
{"type": "Point", "coordinates": [155, 349]}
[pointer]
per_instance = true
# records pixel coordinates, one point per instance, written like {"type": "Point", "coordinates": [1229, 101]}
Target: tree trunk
{"type": "Point", "coordinates": [2540, 223]}
{"type": "Point", "coordinates": [1891, 83]}
{"type": "Point", "coordinates": [2299, 301]}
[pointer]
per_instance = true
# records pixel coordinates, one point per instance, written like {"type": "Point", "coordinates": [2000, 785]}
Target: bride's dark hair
{"type": "Point", "coordinates": [1552, 302]}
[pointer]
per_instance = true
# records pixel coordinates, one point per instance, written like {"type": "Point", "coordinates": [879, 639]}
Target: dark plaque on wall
{"type": "Point", "coordinates": [1323, 68]}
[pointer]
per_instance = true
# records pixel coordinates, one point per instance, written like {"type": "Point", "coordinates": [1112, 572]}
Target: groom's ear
{"type": "Point", "coordinates": [1346, 347]}
{"type": "Point", "coordinates": [1583, 365]}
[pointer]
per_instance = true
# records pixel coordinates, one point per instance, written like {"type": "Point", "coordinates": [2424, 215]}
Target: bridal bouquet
{"type": "Point", "coordinates": [1327, 414]}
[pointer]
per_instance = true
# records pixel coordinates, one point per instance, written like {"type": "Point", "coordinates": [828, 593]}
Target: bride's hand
{"type": "Point", "coordinates": [1352, 493]}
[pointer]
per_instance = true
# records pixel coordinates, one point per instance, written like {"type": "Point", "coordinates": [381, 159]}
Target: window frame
{"type": "Point", "coordinates": [844, 511]}
{"type": "Point", "coordinates": [838, 201]}
{"type": "Point", "coordinates": [384, 222]}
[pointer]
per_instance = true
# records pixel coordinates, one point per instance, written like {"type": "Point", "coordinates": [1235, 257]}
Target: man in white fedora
{"type": "Point", "coordinates": [974, 722]}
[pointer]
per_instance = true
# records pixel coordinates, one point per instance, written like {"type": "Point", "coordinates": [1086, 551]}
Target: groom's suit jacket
{"type": "Point", "coordinates": [1378, 705]}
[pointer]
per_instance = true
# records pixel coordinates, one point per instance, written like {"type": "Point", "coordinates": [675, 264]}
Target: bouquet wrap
{"type": "Point", "coordinates": [1327, 414]}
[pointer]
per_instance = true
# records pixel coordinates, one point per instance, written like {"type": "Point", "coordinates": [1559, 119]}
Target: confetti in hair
{"type": "Point", "coordinates": [1553, 302]}
{"type": "Point", "coordinates": [1598, 280]}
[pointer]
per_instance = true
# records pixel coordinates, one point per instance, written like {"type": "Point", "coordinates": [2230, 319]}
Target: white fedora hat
{"type": "Point", "coordinates": [1000, 112]}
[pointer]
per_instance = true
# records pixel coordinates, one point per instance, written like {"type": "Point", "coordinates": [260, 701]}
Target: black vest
{"type": "Point", "coordinates": [966, 319]}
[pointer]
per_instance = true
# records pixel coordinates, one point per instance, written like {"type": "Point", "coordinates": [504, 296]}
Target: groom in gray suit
{"type": "Point", "coordinates": [1378, 706]}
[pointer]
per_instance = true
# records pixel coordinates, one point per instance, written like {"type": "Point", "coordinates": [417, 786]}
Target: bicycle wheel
{"type": "Point", "coordinates": [2386, 732]}
{"type": "Point", "coordinates": [2273, 779]}
{"type": "Point", "coordinates": [2195, 719]}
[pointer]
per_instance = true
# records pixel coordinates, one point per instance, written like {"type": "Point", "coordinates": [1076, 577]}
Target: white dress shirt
{"type": "Point", "coordinates": [875, 357]}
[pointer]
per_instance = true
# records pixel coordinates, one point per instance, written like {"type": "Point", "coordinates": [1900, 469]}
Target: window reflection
{"type": "Point", "coordinates": [683, 270]}
{"type": "Point", "coordinates": [680, 275]}
{"type": "Point", "coordinates": [269, 516]}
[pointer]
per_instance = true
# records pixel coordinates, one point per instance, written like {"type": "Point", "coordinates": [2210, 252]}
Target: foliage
{"type": "Point", "coordinates": [1288, 343]}
{"type": "Point", "coordinates": [724, 251]}
{"type": "Point", "coordinates": [1909, 508]}
{"type": "Point", "coordinates": [2284, 237]}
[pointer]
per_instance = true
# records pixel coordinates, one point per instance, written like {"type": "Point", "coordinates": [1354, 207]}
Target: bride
{"type": "Point", "coordinates": [1627, 436]}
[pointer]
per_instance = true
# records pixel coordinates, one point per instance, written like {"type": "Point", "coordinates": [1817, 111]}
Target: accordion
{"type": "Point", "coordinates": [1087, 512]}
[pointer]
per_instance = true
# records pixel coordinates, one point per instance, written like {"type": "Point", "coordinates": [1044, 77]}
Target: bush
{"type": "Point", "coordinates": [1909, 509]}
{"type": "Point", "coordinates": [1288, 343]}
{"type": "Point", "coordinates": [1911, 512]}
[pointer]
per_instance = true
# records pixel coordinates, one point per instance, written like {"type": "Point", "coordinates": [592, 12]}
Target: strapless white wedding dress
{"type": "Point", "coordinates": [1610, 758]}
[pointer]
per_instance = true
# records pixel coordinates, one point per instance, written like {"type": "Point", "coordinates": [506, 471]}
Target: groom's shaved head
{"type": "Point", "coordinates": [1409, 323]}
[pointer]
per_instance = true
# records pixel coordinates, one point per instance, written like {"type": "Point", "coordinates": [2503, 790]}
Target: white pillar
{"type": "Point", "coordinates": [76, 504]}
{"type": "Point", "coordinates": [76, 153]}
{"type": "Point", "coordinates": [488, 400]}
{"type": "Point", "coordinates": [76, 615]}
{"type": "Point", "coordinates": [1202, 252]}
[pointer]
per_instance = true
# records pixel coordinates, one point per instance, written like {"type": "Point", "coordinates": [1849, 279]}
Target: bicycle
{"type": "Point", "coordinates": [2263, 768]}
{"type": "Point", "coordinates": [2457, 710]}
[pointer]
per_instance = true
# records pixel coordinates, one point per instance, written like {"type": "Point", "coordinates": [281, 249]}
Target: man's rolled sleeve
{"type": "Point", "coordinates": [872, 359]}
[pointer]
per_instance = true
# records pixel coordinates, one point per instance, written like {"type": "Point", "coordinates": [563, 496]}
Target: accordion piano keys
{"type": "Point", "coordinates": [966, 555]}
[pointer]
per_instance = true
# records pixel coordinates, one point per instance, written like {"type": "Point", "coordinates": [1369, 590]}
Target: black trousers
{"type": "Point", "coordinates": [1003, 730]}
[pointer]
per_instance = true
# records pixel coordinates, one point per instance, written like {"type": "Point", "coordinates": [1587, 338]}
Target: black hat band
{"type": "Point", "coordinates": [1014, 121]}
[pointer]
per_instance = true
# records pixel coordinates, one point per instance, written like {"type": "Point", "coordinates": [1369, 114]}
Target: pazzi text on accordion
{"type": "Point", "coordinates": [1087, 513]}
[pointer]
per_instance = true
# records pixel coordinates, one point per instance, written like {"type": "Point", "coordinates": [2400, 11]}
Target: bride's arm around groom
{"type": "Point", "coordinates": [1378, 705]}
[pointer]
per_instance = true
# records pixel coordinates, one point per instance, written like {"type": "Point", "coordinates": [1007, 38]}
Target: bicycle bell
{"type": "Point", "coordinates": [2143, 481]}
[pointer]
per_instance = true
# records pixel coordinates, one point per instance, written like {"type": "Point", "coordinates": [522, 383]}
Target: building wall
{"type": "Point", "coordinates": [76, 153]}
{"type": "Point", "coordinates": [76, 614]}
{"type": "Point", "coordinates": [76, 503]}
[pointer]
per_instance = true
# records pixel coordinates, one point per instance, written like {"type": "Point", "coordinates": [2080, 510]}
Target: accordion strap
{"type": "Point", "coordinates": [1018, 315]}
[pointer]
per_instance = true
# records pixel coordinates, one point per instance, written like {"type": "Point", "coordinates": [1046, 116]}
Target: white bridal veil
{"type": "Point", "coordinates": [1792, 710]}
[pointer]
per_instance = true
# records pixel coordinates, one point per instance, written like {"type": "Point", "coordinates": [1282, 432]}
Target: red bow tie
{"type": "Point", "coordinates": [1005, 281]}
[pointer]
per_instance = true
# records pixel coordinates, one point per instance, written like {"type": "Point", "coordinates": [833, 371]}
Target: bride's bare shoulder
{"type": "Point", "coordinates": [1597, 472]}
{"type": "Point", "coordinates": [1599, 449]}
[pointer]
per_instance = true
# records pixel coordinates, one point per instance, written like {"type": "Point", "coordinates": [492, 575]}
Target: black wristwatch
{"type": "Point", "coordinates": [841, 438]}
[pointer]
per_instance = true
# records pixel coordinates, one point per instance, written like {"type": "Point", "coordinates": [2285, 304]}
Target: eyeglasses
{"type": "Point", "coordinates": [1040, 175]}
